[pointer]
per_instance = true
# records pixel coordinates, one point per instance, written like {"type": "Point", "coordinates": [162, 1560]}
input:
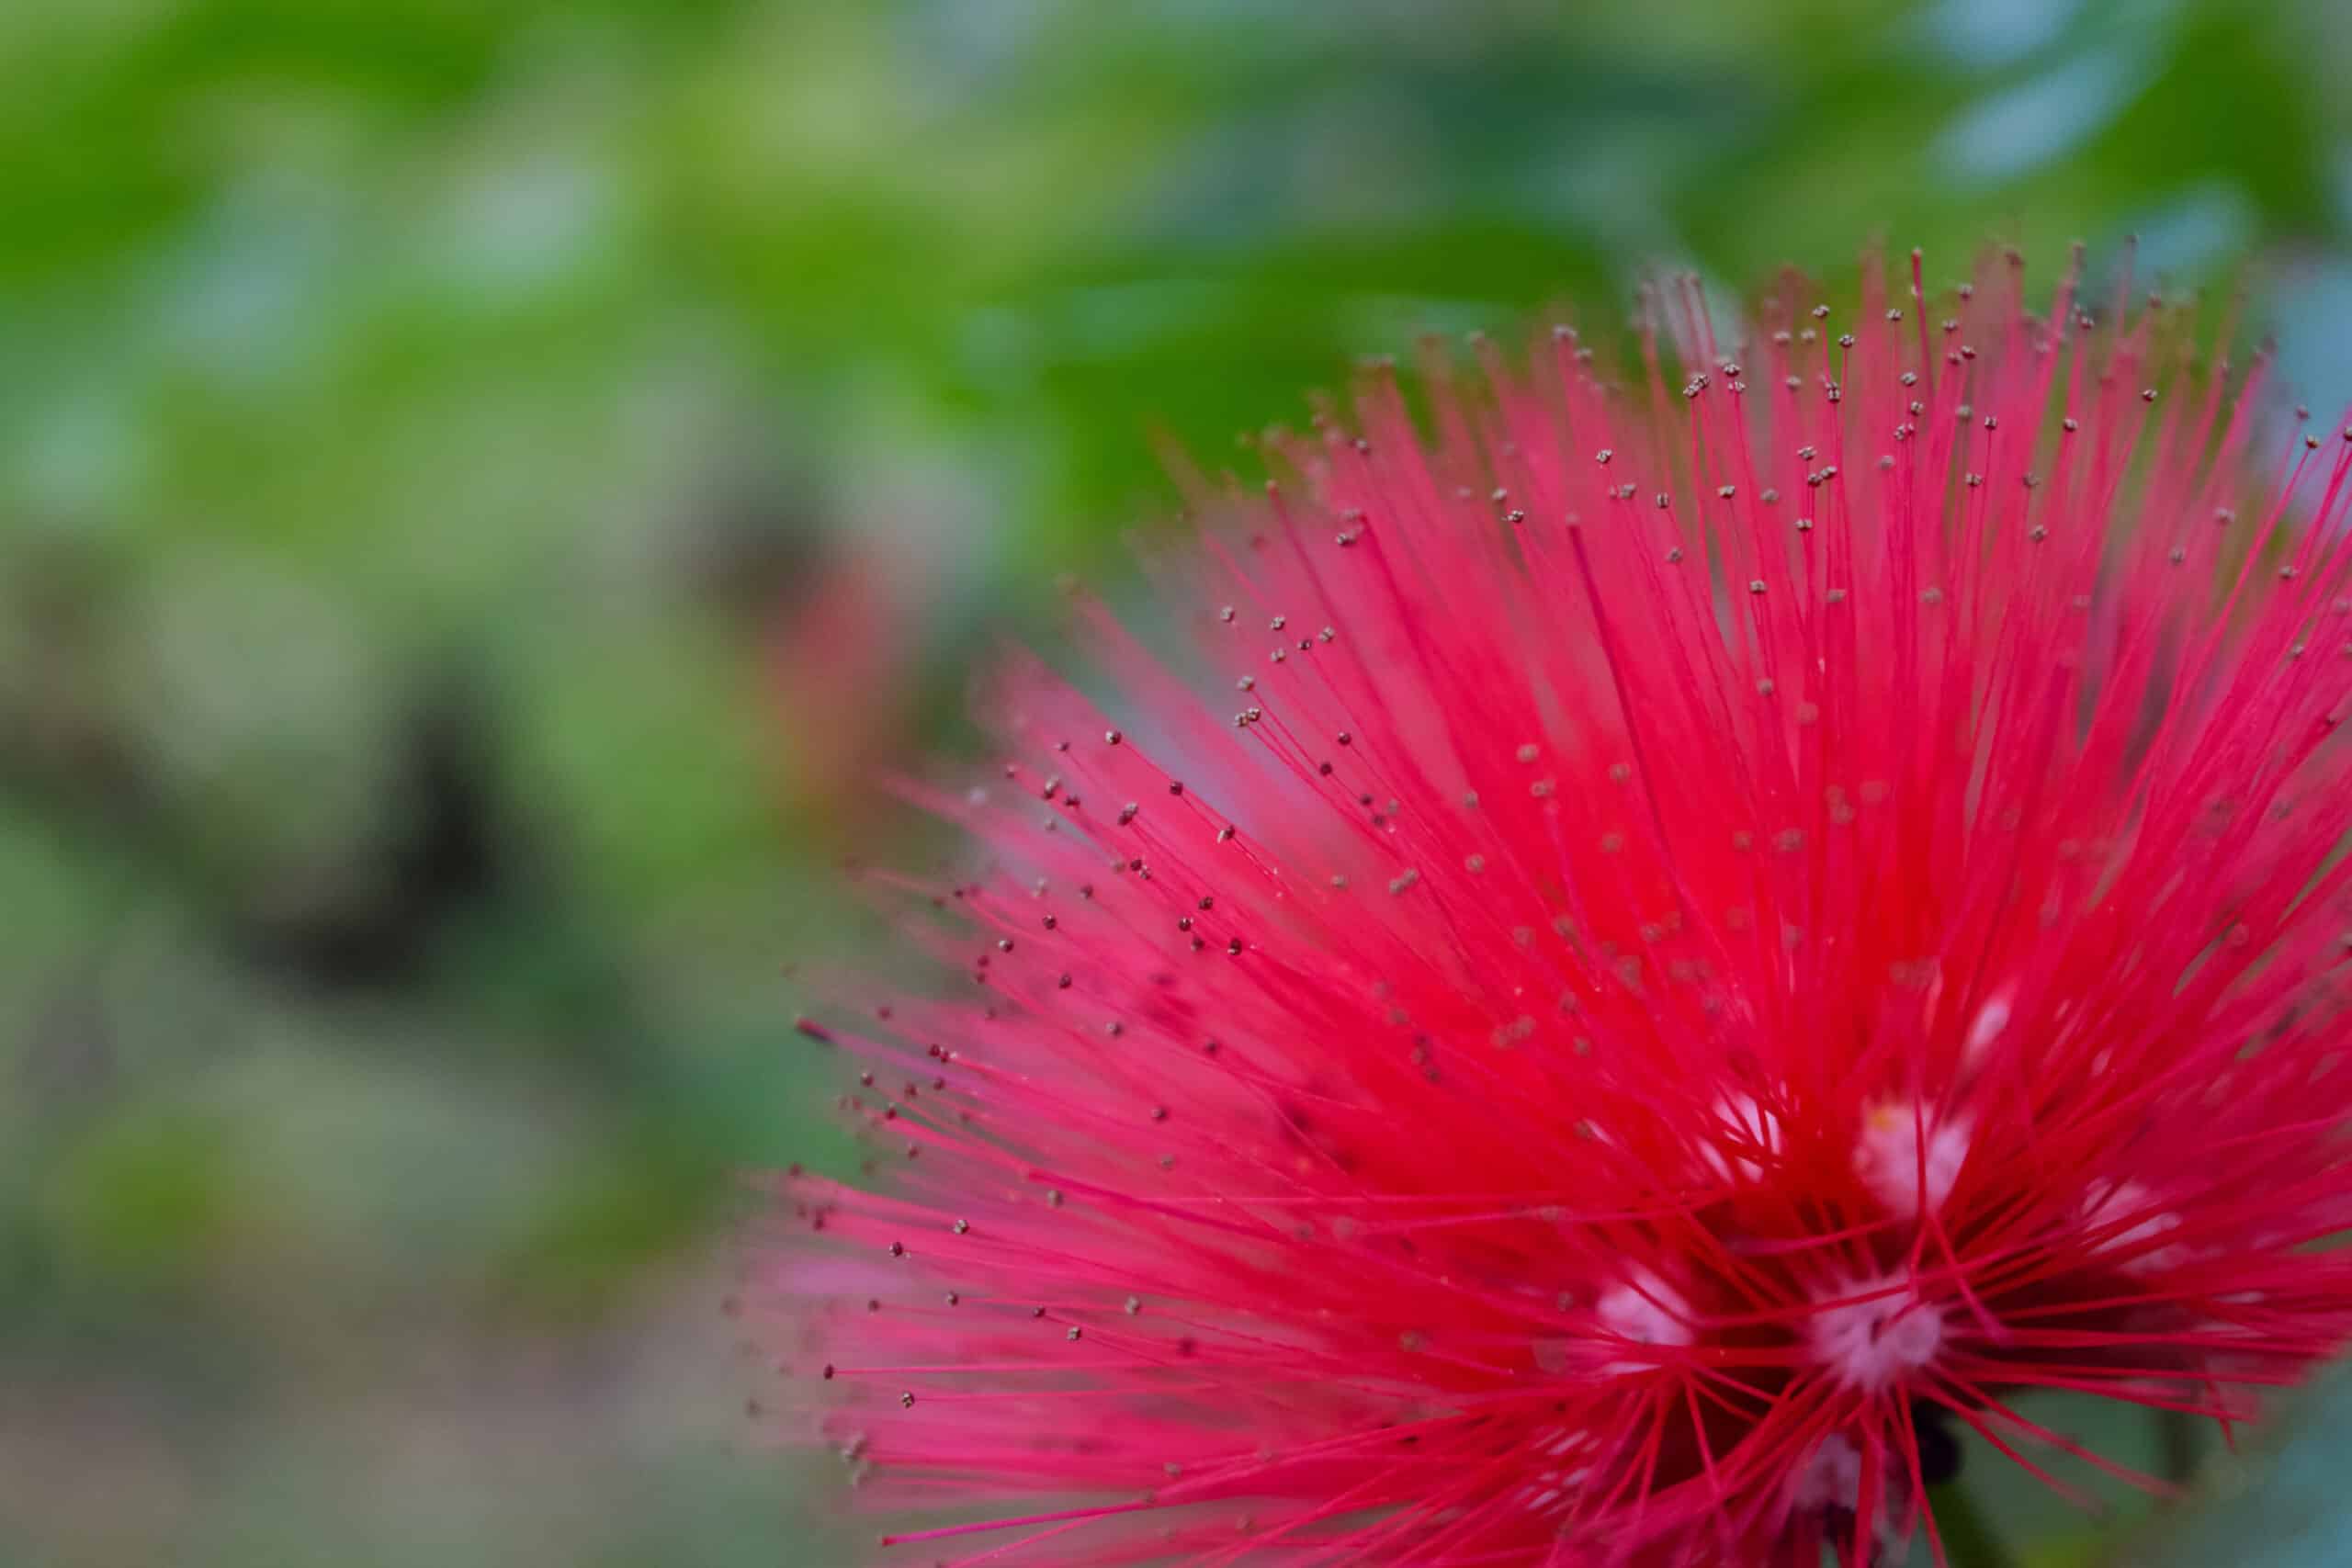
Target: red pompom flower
{"type": "Point", "coordinates": [1738, 922]}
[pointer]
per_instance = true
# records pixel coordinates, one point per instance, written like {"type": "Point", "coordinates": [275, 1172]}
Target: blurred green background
{"type": "Point", "coordinates": [479, 483]}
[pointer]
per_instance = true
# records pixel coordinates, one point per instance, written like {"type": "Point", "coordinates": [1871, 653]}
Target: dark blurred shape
{"type": "Point", "coordinates": [1939, 1450]}
{"type": "Point", "coordinates": [446, 852]}
{"type": "Point", "coordinates": [58, 734]}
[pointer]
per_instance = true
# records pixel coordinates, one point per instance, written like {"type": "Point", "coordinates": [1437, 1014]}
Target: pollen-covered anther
{"type": "Point", "coordinates": [1873, 1333]}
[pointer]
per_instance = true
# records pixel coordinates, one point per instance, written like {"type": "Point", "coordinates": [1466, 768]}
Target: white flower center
{"type": "Point", "coordinates": [1874, 1333]}
{"type": "Point", "coordinates": [1831, 1476]}
{"type": "Point", "coordinates": [1647, 1311]}
{"type": "Point", "coordinates": [1895, 1168]}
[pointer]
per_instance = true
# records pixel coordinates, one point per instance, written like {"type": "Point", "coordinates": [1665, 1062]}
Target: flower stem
{"type": "Point", "coordinates": [1969, 1540]}
{"type": "Point", "coordinates": [2177, 1435]}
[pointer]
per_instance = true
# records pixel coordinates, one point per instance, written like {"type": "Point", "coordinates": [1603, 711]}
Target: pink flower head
{"type": "Point", "coordinates": [1737, 921]}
